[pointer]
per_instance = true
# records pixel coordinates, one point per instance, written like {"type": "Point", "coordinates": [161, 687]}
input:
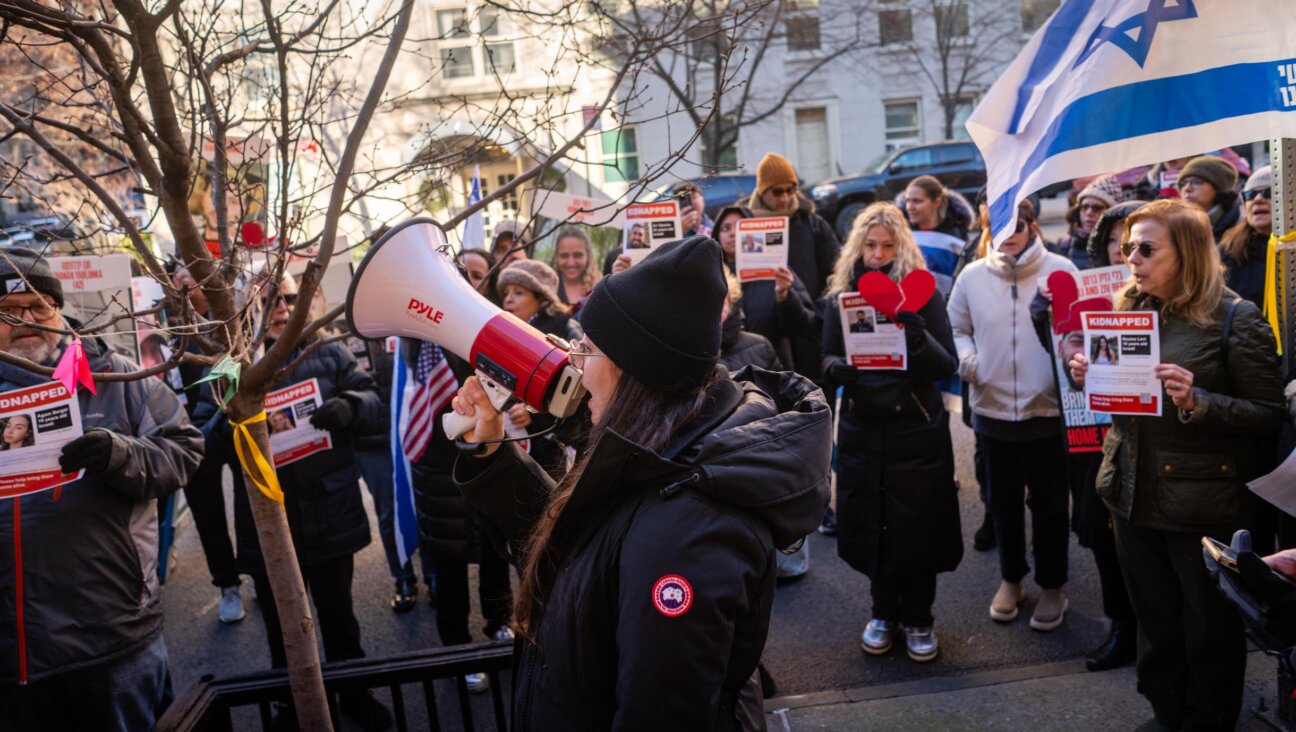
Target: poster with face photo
{"type": "Point", "coordinates": [872, 342]}
{"type": "Point", "coordinates": [35, 423]}
{"type": "Point", "coordinates": [760, 247]}
{"type": "Point", "coordinates": [288, 413]}
{"type": "Point", "coordinates": [1123, 349]}
{"type": "Point", "coordinates": [648, 226]}
{"type": "Point", "coordinates": [1084, 429]}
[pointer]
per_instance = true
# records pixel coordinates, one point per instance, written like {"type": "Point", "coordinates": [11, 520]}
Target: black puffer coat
{"type": "Point", "coordinates": [1163, 473]}
{"type": "Point", "coordinates": [738, 348]}
{"type": "Point", "coordinates": [321, 492]}
{"type": "Point", "coordinates": [1101, 234]}
{"type": "Point", "coordinates": [1247, 278]}
{"type": "Point", "coordinates": [897, 504]}
{"type": "Point", "coordinates": [659, 614]}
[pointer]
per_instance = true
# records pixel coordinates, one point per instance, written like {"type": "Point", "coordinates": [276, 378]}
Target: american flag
{"type": "Point", "coordinates": [434, 385]}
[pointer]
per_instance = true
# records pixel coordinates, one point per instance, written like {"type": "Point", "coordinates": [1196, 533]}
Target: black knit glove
{"type": "Point", "coordinates": [96, 451]}
{"type": "Point", "coordinates": [843, 373]}
{"type": "Point", "coordinates": [334, 415]}
{"type": "Point", "coordinates": [915, 328]}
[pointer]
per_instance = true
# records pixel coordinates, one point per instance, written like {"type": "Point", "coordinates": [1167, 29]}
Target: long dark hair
{"type": "Point", "coordinates": [644, 415]}
{"type": "Point", "coordinates": [28, 440]}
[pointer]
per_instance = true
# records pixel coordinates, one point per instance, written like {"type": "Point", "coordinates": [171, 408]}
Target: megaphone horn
{"type": "Point", "coordinates": [406, 286]}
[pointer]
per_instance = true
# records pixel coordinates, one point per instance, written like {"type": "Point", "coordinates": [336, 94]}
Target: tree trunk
{"type": "Point", "coordinates": [305, 675]}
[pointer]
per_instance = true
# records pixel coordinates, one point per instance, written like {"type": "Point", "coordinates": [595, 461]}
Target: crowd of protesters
{"type": "Point", "coordinates": [92, 625]}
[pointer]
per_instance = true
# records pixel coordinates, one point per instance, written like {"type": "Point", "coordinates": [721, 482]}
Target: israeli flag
{"type": "Point", "coordinates": [474, 232]}
{"type": "Point", "coordinates": [1111, 84]}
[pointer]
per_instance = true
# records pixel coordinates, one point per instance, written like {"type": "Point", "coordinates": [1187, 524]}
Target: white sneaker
{"type": "Point", "coordinates": [505, 633]}
{"type": "Point", "coordinates": [231, 605]}
{"type": "Point", "coordinates": [476, 683]}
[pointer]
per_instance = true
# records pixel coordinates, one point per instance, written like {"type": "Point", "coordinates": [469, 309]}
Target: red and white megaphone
{"type": "Point", "coordinates": [407, 287]}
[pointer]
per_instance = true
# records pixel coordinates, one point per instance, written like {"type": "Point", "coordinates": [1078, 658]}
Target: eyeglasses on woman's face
{"type": "Point", "coordinates": [1145, 249]}
{"type": "Point", "coordinates": [1254, 193]}
{"type": "Point", "coordinates": [579, 351]}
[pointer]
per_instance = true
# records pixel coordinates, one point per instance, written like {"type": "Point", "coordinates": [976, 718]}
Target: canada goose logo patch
{"type": "Point", "coordinates": [672, 595]}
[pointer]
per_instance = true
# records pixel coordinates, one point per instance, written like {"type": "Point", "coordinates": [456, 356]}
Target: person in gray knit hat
{"type": "Point", "coordinates": [647, 573]}
{"type": "Point", "coordinates": [1243, 247]}
{"type": "Point", "coordinates": [528, 288]}
{"type": "Point", "coordinates": [1210, 183]}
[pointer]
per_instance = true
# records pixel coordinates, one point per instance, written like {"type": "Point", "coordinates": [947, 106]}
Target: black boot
{"type": "Point", "coordinates": [984, 538]}
{"type": "Point", "coordinates": [1120, 648]}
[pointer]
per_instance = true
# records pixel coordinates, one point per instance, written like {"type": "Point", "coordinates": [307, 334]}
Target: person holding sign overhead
{"type": "Point", "coordinates": [81, 627]}
{"type": "Point", "coordinates": [897, 505]}
{"type": "Point", "coordinates": [1170, 479]}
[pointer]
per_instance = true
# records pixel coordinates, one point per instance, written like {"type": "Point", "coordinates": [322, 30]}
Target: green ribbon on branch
{"type": "Point", "coordinates": [229, 370]}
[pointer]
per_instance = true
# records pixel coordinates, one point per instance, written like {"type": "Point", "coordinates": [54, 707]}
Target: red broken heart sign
{"type": "Point", "coordinates": [910, 295]}
{"type": "Point", "coordinates": [1066, 311]}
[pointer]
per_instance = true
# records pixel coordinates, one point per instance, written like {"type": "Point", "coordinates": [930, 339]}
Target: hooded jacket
{"type": "Point", "coordinates": [1010, 373]}
{"type": "Point", "coordinates": [660, 609]}
{"type": "Point", "coordinates": [90, 548]}
{"type": "Point", "coordinates": [1110, 219]}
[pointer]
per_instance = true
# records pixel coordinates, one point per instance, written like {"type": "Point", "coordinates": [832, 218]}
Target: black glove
{"type": "Point", "coordinates": [95, 451]}
{"type": "Point", "coordinates": [915, 327]}
{"type": "Point", "coordinates": [843, 373]}
{"type": "Point", "coordinates": [334, 415]}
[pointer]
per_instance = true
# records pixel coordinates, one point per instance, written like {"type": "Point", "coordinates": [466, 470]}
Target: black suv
{"type": "Point", "coordinates": [956, 163]}
{"type": "Point", "coordinates": [718, 190]}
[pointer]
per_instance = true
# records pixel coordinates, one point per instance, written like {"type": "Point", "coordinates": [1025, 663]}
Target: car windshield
{"type": "Point", "coordinates": [880, 162]}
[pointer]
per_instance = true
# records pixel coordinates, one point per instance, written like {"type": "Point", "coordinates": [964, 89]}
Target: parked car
{"type": "Point", "coordinates": [955, 163]}
{"type": "Point", "coordinates": [718, 190]}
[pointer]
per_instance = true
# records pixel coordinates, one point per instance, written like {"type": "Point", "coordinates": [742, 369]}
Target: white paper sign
{"type": "Point", "coordinates": [36, 421]}
{"type": "Point", "coordinates": [872, 342]}
{"type": "Point", "coordinates": [1097, 282]}
{"type": "Point", "coordinates": [288, 413]}
{"type": "Point", "coordinates": [648, 226]}
{"type": "Point", "coordinates": [1124, 349]}
{"type": "Point", "coordinates": [575, 209]}
{"type": "Point", "coordinates": [761, 247]}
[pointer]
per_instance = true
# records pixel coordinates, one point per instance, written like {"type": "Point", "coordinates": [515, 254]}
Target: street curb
{"type": "Point", "coordinates": [919, 687]}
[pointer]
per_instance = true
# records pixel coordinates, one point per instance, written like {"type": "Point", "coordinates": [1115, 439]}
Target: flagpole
{"type": "Point", "coordinates": [1282, 155]}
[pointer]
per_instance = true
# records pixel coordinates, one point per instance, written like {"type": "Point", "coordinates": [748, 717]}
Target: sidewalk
{"type": "Point", "coordinates": [1055, 696]}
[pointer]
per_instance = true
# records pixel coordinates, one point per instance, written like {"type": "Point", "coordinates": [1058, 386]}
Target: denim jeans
{"type": "Point", "coordinates": [127, 694]}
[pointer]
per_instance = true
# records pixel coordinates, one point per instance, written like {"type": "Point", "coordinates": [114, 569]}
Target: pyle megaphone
{"type": "Point", "coordinates": [407, 287]}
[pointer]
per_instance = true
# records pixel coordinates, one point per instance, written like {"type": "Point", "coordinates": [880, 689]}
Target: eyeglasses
{"type": "Point", "coordinates": [40, 311]}
{"type": "Point", "coordinates": [289, 299]}
{"type": "Point", "coordinates": [1190, 181]}
{"type": "Point", "coordinates": [1096, 207]}
{"type": "Point", "coordinates": [1254, 193]}
{"type": "Point", "coordinates": [1145, 249]}
{"type": "Point", "coordinates": [783, 190]}
{"type": "Point", "coordinates": [578, 352]}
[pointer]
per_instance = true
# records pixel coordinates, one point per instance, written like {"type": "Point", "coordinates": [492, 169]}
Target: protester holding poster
{"type": "Point", "coordinates": [897, 504]}
{"type": "Point", "coordinates": [330, 392]}
{"type": "Point", "coordinates": [1015, 414]}
{"type": "Point", "coordinates": [1171, 478]}
{"type": "Point", "coordinates": [81, 634]}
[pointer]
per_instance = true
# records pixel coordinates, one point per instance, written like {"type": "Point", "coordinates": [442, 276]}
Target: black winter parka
{"type": "Point", "coordinates": [658, 614]}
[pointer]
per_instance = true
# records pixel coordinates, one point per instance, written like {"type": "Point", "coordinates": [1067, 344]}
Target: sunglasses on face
{"type": "Point", "coordinates": [1023, 223]}
{"type": "Point", "coordinates": [288, 299]}
{"type": "Point", "coordinates": [1144, 249]}
{"type": "Point", "coordinates": [1095, 207]}
{"type": "Point", "coordinates": [783, 191]}
{"type": "Point", "coordinates": [1254, 193]}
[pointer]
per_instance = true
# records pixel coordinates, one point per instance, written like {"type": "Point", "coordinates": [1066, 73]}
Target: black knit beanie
{"type": "Point", "coordinates": [32, 266]}
{"type": "Point", "coordinates": [659, 321]}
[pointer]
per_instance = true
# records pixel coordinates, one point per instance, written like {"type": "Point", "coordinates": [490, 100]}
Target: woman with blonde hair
{"type": "Point", "coordinates": [573, 260]}
{"type": "Point", "coordinates": [1170, 479]}
{"type": "Point", "coordinates": [897, 505]}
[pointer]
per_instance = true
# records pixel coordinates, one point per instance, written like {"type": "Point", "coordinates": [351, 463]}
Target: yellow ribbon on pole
{"type": "Point", "coordinates": [1271, 283]}
{"type": "Point", "coordinates": [253, 461]}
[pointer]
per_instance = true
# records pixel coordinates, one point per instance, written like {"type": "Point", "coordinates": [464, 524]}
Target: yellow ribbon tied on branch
{"type": "Point", "coordinates": [254, 462]}
{"type": "Point", "coordinates": [1272, 284]}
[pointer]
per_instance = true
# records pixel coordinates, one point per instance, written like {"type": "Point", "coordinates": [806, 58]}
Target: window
{"type": "Point", "coordinates": [895, 26]}
{"type": "Point", "coordinates": [902, 124]}
{"type": "Point", "coordinates": [952, 19]}
{"type": "Point", "coordinates": [1035, 12]}
{"type": "Point", "coordinates": [919, 158]}
{"type": "Point", "coordinates": [956, 154]}
{"type": "Point", "coordinates": [620, 155]}
{"type": "Point", "coordinates": [961, 114]}
{"type": "Point", "coordinates": [803, 32]}
{"type": "Point", "coordinates": [726, 159]}
{"type": "Point", "coordinates": [473, 42]}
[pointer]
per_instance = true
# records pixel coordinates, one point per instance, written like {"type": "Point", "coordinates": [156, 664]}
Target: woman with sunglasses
{"type": "Point", "coordinates": [1169, 480]}
{"type": "Point", "coordinates": [1014, 403]}
{"type": "Point", "coordinates": [1243, 247]}
{"type": "Point", "coordinates": [647, 572]}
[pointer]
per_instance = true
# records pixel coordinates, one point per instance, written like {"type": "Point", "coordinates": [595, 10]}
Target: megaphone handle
{"type": "Point", "coordinates": [456, 425]}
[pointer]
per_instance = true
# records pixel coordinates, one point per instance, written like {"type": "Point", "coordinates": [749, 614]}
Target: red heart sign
{"type": "Point", "coordinates": [913, 292]}
{"type": "Point", "coordinates": [1066, 311]}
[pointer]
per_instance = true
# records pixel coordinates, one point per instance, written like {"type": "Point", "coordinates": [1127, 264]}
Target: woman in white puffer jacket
{"type": "Point", "coordinates": [1015, 413]}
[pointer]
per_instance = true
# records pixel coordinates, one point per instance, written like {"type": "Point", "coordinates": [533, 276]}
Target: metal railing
{"type": "Point", "coordinates": [240, 703]}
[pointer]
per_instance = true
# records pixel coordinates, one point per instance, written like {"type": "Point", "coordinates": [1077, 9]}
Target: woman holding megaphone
{"type": "Point", "coordinates": [648, 571]}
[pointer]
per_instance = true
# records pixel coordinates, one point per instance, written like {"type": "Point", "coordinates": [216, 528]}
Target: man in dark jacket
{"type": "Point", "coordinates": [812, 248]}
{"type": "Point", "coordinates": [322, 499]}
{"type": "Point", "coordinates": [81, 647]}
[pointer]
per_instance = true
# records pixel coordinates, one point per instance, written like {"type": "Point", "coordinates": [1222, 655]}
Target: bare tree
{"type": "Point", "coordinates": [240, 128]}
{"type": "Point", "coordinates": [959, 45]}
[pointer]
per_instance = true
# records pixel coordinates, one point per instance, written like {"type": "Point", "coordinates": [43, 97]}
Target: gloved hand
{"type": "Point", "coordinates": [334, 415]}
{"type": "Point", "coordinates": [843, 373]}
{"type": "Point", "coordinates": [915, 327]}
{"type": "Point", "coordinates": [94, 451]}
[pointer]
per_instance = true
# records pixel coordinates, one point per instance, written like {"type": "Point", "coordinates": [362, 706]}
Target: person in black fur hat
{"type": "Point", "coordinates": [647, 572]}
